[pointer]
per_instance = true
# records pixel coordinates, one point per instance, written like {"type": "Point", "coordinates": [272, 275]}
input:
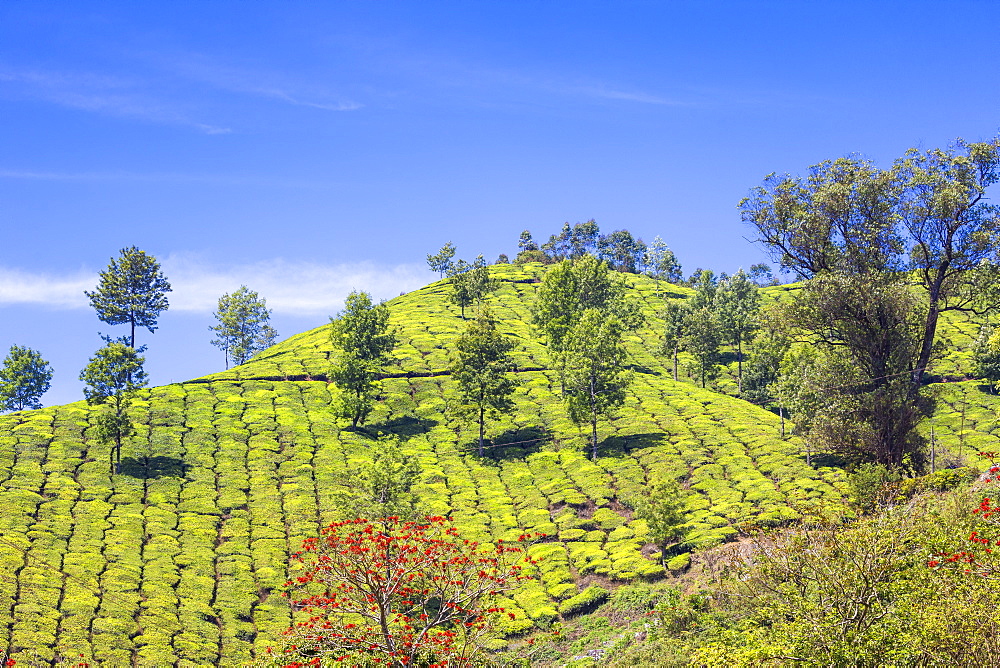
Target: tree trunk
{"type": "Point", "coordinates": [482, 420]}
{"type": "Point", "coordinates": [739, 364]}
{"type": "Point", "coordinates": [676, 346]}
{"type": "Point", "coordinates": [781, 414]}
{"type": "Point", "coordinates": [132, 344]}
{"type": "Point", "coordinates": [593, 435]}
{"type": "Point", "coordinates": [930, 324]}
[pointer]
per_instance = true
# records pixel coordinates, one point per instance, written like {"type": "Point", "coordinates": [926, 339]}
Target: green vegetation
{"type": "Point", "coordinates": [481, 370]}
{"type": "Point", "coordinates": [131, 290]}
{"type": "Point", "coordinates": [112, 378]}
{"type": "Point", "coordinates": [24, 378]}
{"type": "Point", "coordinates": [243, 328]}
{"type": "Point", "coordinates": [364, 341]}
{"type": "Point", "coordinates": [179, 557]}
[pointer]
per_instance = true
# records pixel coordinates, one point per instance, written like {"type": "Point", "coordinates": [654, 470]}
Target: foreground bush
{"type": "Point", "coordinates": [396, 593]}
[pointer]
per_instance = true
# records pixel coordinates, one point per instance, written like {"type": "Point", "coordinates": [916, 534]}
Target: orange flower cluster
{"type": "Point", "coordinates": [399, 593]}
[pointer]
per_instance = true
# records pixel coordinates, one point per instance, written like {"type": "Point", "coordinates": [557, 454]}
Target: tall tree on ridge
{"type": "Point", "coordinates": [441, 261]}
{"type": "Point", "coordinates": [131, 290]}
{"type": "Point", "coordinates": [243, 328]}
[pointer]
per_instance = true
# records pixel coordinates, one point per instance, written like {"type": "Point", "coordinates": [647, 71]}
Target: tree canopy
{"type": "Point", "coordinates": [131, 290]}
{"type": "Point", "coordinates": [112, 377]}
{"type": "Point", "coordinates": [364, 340]}
{"type": "Point", "coordinates": [244, 325]}
{"type": "Point", "coordinates": [863, 237]}
{"type": "Point", "coordinates": [482, 367]}
{"type": "Point", "coordinates": [24, 378]}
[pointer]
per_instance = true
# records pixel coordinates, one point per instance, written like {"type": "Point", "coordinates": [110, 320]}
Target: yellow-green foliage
{"type": "Point", "coordinates": [180, 558]}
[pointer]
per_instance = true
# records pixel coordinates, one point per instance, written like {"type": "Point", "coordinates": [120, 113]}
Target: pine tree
{"type": "Point", "coordinates": [131, 290]}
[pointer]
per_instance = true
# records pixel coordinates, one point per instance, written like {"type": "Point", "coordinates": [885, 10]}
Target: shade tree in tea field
{"type": "Point", "coordinates": [675, 320]}
{"type": "Point", "coordinates": [662, 506]}
{"type": "Point", "coordinates": [737, 302]}
{"type": "Point", "coordinates": [471, 283]}
{"type": "Point", "coordinates": [363, 341]}
{"type": "Point", "coordinates": [244, 325]}
{"type": "Point", "coordinates": [859, 235]}
{"type": "Point", "coordinates": [592, 366]}
{"type": "Point", "coordinates": [132, 290]}
{"type": "Point", "coordinates": [24, 378]}
{"type": "Point", "coordinates": [481, 368]}
{"type": "Point", "coordinates": [381, 486]}
{"type": "Point", "coordinates": [572, 287]}
{"type": "Point", "coordinates": [442, 262]}
{"type": "Point", "coordinates": [112, 377]}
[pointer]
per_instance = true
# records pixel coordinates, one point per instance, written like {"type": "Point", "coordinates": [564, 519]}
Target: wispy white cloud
{"type": "Point", "coordinates": [66, 291]}
{"type": "Point", "coordinates": [98, 93]}
{"type": "Point", "coordinates": [640, 97]}
{"type": "Point", "coordinates": [288, 287]}
{"type": "Point", "coordinates": [255, 81]}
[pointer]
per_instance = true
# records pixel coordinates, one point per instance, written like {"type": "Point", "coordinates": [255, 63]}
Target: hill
{"type": "Point", "coordinates": [181, 556]}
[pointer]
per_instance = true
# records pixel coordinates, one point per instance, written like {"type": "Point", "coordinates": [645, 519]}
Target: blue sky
{"type": "Point", "coordinates": [306, 149]}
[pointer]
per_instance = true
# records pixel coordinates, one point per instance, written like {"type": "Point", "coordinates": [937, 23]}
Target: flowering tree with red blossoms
{"type": "Point", "coordinates": [396, 593]}
{"type": "Point", "coordinates": [980, 558]}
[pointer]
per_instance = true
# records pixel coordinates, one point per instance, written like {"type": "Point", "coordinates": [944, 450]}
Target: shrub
{"type": "Point", "coordinates": [585, 601]}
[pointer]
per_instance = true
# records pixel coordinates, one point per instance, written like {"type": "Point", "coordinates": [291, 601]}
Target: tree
{"type": "Point", "coordinates": [927, 215]}
{"type": "Point", "coordinates": [701, 339]}
{"type": "Point", "coordinates": [132, 290]}
{"type": "Point", "coordinates": [737, 303]}
{"type": "Point", "coordinates": [583, 238]}
{"type": "Point", "coordinates": [572, 287]}
{"type": "Point", "coordinates": [399, 593]}
{"type": "Point", "coordinates": [381, 486]}
{"type": "Point", "coordinates": [675, 316]}
{"type": "Point", "coordinates": [112, 377]}
{"type": "Point", "coordinates": [441, 262]}
{"type": "Point", "coordinates": [763, 372]}
{"type": "Point", "coordinates": [364, 341]}
{"type": "Point", "coordinates": [867, 332]}
{"type": "Point", "coordinates": [559, 246]}
{"type": "Point", "coordinates": [24, 378]}
{"type": "Point", "coordinates": [859, 235]}
{"type": "Point", "coordinates": [661, 263]}
{"type": "Point", "coordinates": [471, 286]}
{"type": "Point", "coordinates": [621, 250]}
{"type": "Point", "coordinates": [481, 369]}
{"type": "Point", "coordinates": [526, 243]}
{"type": "Point", "coordinates": [243, 328]}
{"type": "Point", "coordinates": [592, 364]}
{"type": "Point", "coordinates": [762, 275]}
{"type": "Point", "coordinates": [986, 355]}
{"type": "Point", "coordinates": [662, 506]}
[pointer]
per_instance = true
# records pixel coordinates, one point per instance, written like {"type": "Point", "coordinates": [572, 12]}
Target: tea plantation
{"type": "Point", "coordinates": [181, 557]}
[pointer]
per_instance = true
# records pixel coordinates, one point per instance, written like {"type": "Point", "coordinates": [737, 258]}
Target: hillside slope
{"type": "Point", "coordinates": [180, 557]}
